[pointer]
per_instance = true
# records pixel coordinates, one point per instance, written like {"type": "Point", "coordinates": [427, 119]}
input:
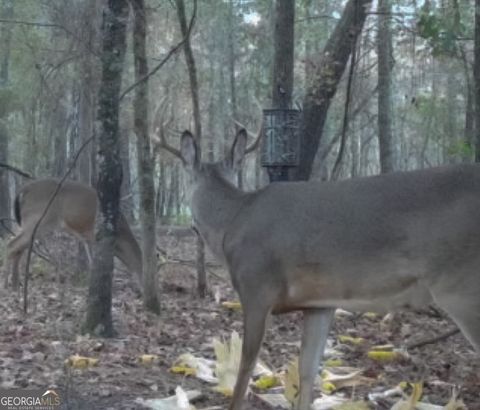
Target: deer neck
{"type": "Point", "coordinates": [215, 204]}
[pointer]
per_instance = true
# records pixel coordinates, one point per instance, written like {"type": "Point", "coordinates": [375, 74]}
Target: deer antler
{"type": "Point", "coordinates": [158, 138]}
{"type": "Point", "coordinates": [257, 136]}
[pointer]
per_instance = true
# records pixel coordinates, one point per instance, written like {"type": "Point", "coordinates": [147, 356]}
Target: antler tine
{"type": "Point", "coordinates": [257, 137]}
{"type": "Point", "coordinates": [159, 136]}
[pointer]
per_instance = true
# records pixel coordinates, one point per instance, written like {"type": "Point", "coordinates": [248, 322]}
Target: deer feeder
{"type": "Point", "coordinates": [281, 142]}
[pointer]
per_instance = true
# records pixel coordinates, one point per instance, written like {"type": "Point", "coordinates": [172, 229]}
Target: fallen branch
{"type": "Point", "coordinates": [434, 339]}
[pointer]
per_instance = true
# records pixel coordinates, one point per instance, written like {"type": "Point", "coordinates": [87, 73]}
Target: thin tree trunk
{"type": "Point", "coordinates": [88, 73]}
{"type": "Point", "coordinates": [6, 13]}
{"type": "Point", "coordinates": [5, 38]}
{"type": "Point", "coordinates": [99, 304]}
{"type": "Point", "coordinates": [283, 55]}
{"type": "Point", "coordinates": [282, 85]}
{"type": "Point", "coordinates": [476, 74]}
{"type": "Point", "coordinates": [231, 59]}
{"type": "Point", "coordinates": [60, 140]}
{"type": "Point", "coordinates": [145, 159]}
{"type": "Point", "coordinates": [162, 184]}
{"type": "Point", "coordinates": [384, 52]}
{"type": "Point", "coordinates": [202, 284]}
{"type": "Point", "coordinates": [126, 191]}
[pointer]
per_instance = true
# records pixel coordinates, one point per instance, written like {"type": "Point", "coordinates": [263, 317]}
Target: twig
{"type": "Point", "coordinates": [46, 25]}
{"type": "Point", "coordinates": [32, 23]}
{"type": "Point", "coordinates": [15, 169]}
{"type": "Point", "coordinates": [35, 228]}
{"type": "Point", "coordinates": [432, 340]}
{"type": "Point", "coordinates": [172, 51]}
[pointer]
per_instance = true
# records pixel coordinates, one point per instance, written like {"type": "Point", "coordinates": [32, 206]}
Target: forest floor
{"type": "Point", "coordinates": [33, 348]}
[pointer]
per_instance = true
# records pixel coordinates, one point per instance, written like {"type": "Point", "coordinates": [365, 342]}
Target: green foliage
{"type": "Point", "coordinates": [461, 148]}
{"type": "Point", "coordinates": [182, 219]}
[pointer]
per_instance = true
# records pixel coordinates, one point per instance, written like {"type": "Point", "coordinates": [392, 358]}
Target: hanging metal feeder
{"type": "Point", "coordinates": [281, 142]}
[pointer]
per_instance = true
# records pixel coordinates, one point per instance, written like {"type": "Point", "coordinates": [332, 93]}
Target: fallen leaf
{"type": "Point", "coordinates": [148, 358]}
{"type": "Point", "coordinates": [228, 354]}
{"type": "Point", "coordinates": [80, 362]}
{"type": "Point", "coordinates": [267, 382]}
{"type": "Point", "coordinates": [351, 340]}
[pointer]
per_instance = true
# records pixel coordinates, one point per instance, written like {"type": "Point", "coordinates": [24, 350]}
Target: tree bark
{"type": "Point", "coordinates": [326, 75]}
{"type": "Point", "coordinates": [5, 38]}
{"type": "Point", "coordinates": [88, 74]}
{"type": "Point", "coordinates": [231, 60]}
{"type": "Point", "coordinates": [202, 284]}
{"type": "Point", "coordinates": [384, 52]}
{"type": "Point", "coordinates": [476, 74]}
{"type": "Point", "coordinates": [283, 55]}
{"type": "Point", "coordinates": [145, 159]}
{"type": "Point", "coordinates": [99, 308]}
{"type": "Point", "coordinates": [127, 205]}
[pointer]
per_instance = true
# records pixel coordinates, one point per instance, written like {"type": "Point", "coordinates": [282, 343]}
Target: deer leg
{"type": "Point", "coordinates": [465, 312]}
{"type": "Point", "coordinates": [458, 294]}
{"type": "Point", "coordinates": [316, 325]}
{"type": "Point", "coordinates": [254, 329]}
{"type": "Point", "coordinates": [88, 252]}
{"type": "Point", "coordinates": [15, 249]}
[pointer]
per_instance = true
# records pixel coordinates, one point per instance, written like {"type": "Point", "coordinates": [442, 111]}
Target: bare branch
{"type": "Point", "coordinates": [47, 25]}
{"type": "Point", "coordinates": [32, 23]}
{"type": "Point", "coordinates": [172, 51]}
{"type": "Point", "coordinates": [16, 170]}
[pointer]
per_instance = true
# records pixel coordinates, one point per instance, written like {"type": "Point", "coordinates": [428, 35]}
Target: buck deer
{"type": "Point", "coordinates": [74, 209]}
{"type": "Point", "coordinates": [374, 243]}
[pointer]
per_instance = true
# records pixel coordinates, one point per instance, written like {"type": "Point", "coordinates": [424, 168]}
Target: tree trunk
{"type": "Point", "coordinates": [231, 59]}
{"type": "Point", "coordinates": [99, 308]}
{"type": "Point", "coordinates": [283, 55]}
{"type": "Point", "coordinates": [161, 192]}
{"type": "Point", "coordinates": [88, 74]}
{"type": "Point", "coordinates": [326, 75]}
{"type": "Point", "coordinates": [283, 36]}
{"type": "Point", "coordinates": [384, 52]}
{"type": "Point", "coordinates": [60, 140]}
{"type": "Point", "coordinates": [476, 74]}
{"type": "Point", "coordinates": [145, 159]}
{"type": "Point", "coordinates": [5, 38]}
{"type": "Point", "coordinates": [126, 190]}
{"type": "Point", "coordinates": [192, 75]}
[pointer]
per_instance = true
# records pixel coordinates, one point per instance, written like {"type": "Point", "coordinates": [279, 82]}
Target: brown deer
{"type": "Point", "coordinates": [74, 209]}
{"type": "Point", "coordinates": [376, 243]}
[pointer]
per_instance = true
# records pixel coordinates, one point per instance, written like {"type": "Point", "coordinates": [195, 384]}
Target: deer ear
{"type": "Point", "coordinates": [188, 149]}
{"type": "Point", "coordinates": [238, 149]}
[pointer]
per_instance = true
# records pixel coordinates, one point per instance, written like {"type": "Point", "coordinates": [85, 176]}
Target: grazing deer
{"type": "Point", "coordinates": [74, 209]}
{"type": "Point", "coordinates": [376, 243]}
